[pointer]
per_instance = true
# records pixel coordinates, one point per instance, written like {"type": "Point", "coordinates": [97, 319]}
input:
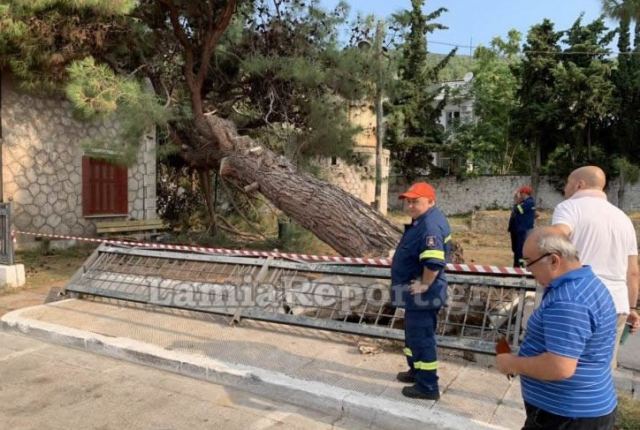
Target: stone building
{"type": "Point", "coordinates": [358, 176]}
{"type": "Point", "coordinates": [53, 184]}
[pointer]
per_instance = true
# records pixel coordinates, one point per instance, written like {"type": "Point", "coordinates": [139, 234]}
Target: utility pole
{"type": "Point", "coordinates": [1, 149]}
{"type": "Point", "coordinates": [379, 86]}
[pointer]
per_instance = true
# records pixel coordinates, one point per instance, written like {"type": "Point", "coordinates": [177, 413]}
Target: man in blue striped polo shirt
{"type": "Point", "coordinates": [565, 359]}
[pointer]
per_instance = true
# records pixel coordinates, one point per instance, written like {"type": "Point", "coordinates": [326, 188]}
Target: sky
{"type": "Point", "coordinates": [474, 22]}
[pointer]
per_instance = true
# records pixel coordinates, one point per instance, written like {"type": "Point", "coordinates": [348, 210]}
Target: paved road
{"type": "Point", "coordinates": [44, 386]}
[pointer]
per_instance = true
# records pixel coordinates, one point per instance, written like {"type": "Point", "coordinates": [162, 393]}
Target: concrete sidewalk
{"type": "Point", "coordinates": [309, 368]}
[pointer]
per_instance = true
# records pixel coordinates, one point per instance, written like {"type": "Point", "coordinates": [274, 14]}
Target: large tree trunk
{"type": "Point", "coordinates": [341, 220]}
{"type": "Point", "coordinates": [344, 222]}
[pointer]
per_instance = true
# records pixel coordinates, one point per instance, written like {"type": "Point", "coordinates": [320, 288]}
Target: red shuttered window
{"type": "Point", "coordinates": [104, 188]}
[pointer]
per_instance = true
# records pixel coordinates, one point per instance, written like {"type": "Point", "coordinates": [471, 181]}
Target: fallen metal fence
{"type": "Point", "coordinates": [327, 296]}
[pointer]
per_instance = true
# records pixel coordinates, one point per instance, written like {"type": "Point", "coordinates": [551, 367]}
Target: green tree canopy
{"type": "Point", "coordinates": [584, 94]}
{"type": "Point", "coordinates": [489, 142]}
{"type": "Point", "coordinates": [275, 64]}
{"type": "Point", "coordinates": [537, 117]}
{"type": "Point", "coordinates": [414, 132]}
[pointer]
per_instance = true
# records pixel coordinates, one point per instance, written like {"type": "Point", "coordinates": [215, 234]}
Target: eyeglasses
{"type": "Point", "coordinates": [528, 264]}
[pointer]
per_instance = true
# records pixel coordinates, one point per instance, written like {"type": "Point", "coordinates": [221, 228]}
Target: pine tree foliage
{"type": "Point", "coordinates": [229, 72]}
{"type": "Point", "coordinates": [279, 71]}
{"type": "Point", "coordinates": [584, 94]}
{"type": "Point", "coordinates": [291, 79]}
{"type": "Point", "coordinates": [489, 143]}
{"type": "Point", "coordinates": [626, 78]}
{"type": "Point", "coordinates": [113, 7]}
{"type": "Point", "coordinates": [39, 39]}
{"type": "Point", "coordinates": [97, 93]}
{"type": "Point", "coordinates": [536, 119]}
{"type": "Point", "coordinates": [414, 132]}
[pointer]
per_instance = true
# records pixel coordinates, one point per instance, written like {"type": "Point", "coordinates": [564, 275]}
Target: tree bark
{"type": "Point", "coordinates": [589, 140]}
{"type": "Point", "coordinates": [336, 217]}
{"type": "Point", "coordinates": [622, 183]}
{"type": "Point", "coordinates": [204, 176]}
{"type": "Point", "coordinates": [536, 165]}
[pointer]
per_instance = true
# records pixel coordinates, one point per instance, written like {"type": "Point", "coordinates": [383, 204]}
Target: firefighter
{"type": "Point", "coordinates": [419, 286]}
{"type": "Point", "coordinates": [521, 221]}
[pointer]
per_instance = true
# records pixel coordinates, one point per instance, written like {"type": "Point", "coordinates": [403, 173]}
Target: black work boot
{"type": "Point", "coordinates": [414, 393]}
{"type": "Point", "coordinates": [406, 377]}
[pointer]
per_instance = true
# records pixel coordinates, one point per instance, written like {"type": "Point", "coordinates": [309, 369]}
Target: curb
{"type": "Point", "coordinates": [383, 413]}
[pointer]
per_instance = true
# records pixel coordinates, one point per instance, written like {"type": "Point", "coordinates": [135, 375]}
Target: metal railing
{"type": "Point", "coordinates": [337, 297]}
{"type": "Point", "coordinates": [6, 240]}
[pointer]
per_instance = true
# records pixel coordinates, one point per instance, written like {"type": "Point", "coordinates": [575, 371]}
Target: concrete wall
{"type": "Point", "coordinates": [42, 165]}
{"type": "Point", "coordinates": [496, 192]}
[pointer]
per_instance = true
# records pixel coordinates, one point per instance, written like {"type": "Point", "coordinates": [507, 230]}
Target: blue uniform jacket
{"type": "Point", "coordinates": [425, 243]}
{"type": "Point", "coordinates": [523, 216]}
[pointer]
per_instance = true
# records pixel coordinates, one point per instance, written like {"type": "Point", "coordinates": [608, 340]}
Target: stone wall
{"type": "Point", "coordinates": [363, 115]}
{"type": "Point", "coordinates": [496, 192]}
{"type": "Point", "coordinates": [42, 165]}
{"type": "Point", "coordinates": [358, 178]}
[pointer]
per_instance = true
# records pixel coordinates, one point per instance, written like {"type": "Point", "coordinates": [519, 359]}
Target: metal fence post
{"type": "Point", "coordinates": [6, 241]}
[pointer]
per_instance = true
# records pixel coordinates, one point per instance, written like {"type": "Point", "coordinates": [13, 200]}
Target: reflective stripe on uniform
{"type": "Point", "coordinates": [407, 352]}
{"type": "Point", "coordinates": [520, 209]}
{"type": "Point", "coordinates": [425, 365]}
{"type": "Point", "coordinates": [447, 239]}
{"type": "Point", "coordinates": [432, 253]}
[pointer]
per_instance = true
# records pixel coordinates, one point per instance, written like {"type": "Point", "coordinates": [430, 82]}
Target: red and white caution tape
{"type": "Point", "coordinates": [477, 268]}
{"type": "Point", "coordinates": [366, 261]}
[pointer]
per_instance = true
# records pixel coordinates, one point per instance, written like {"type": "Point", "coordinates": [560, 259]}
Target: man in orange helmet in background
{"type": "Point", "coordinates": [521, 221]}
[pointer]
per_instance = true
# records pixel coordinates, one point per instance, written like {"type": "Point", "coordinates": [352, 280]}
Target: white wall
{"type": "Point", "coordinates": [496, 192]}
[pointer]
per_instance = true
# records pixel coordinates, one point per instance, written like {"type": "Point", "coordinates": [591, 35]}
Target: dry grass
{"type": "Point", "coordinates": [628, 413]}
{"type": "Point", "coordinates": [53, 268]}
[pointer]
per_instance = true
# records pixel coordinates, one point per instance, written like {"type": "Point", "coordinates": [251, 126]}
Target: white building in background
{"type": "Point", "coordinates": [358, 176]}
{"type": "Point", "coordinates": [458, 110]}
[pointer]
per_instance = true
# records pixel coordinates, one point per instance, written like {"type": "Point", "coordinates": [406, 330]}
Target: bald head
{"type": "Point", "coordinates": [592, 176]}
{"type": "Point", "coordinates": [585, 178]}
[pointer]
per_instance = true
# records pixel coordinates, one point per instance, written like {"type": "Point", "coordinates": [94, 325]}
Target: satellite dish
{"type": "Point", "coordinates": [467, 76]}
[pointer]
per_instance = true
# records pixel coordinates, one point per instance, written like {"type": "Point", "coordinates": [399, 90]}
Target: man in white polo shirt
{"type": "Point", "coordinates": [605, 239]}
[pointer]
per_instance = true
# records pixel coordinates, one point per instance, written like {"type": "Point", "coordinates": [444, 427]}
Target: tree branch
{"type": "Point", "coordinates": [188, 47]}
{"type": "Point", "coordinates": [215, 30]}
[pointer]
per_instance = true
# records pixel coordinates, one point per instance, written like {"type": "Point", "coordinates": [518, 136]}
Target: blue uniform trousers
{"type": "Point", "coordinates": [517, 243]}
{"type": "Point", "coordinates": [420, 347]}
